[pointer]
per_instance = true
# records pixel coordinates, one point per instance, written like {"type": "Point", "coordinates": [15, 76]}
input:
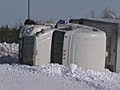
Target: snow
{"type": "Point", "coordinates": [8, 53]}
{"type": "Point", "coordinates": [8, 49]}
{"type": "Point", "coordinates": [14, 76]}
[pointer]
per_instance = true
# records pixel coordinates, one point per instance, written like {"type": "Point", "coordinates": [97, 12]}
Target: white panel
{"type": "Point", "coordinates": [88, 49]}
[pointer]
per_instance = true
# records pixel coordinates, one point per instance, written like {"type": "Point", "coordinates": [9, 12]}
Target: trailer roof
{"type": "Point", "coordinates": [102, 20]}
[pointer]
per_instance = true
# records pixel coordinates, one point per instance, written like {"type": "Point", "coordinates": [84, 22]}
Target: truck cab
{"type": "Point", "coordinates": [64, 44]}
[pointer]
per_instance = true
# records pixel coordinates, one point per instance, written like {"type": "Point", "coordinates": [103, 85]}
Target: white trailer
{"type": "Point", "coordinates": [112, 30]}
{"type": "Point", "coordinates": [68, 43]}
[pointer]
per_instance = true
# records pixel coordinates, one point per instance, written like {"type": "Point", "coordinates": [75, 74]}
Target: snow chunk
{"type": "Point", "coordinates": [8, 49]}
{"type": "Point", "coordinates": [73, 67]}
{"type": "Point", "coordinates": [9, 53]}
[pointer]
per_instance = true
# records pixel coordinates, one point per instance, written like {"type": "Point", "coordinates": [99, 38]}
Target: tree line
{"type": "Point", "coordinates": [9, 34]}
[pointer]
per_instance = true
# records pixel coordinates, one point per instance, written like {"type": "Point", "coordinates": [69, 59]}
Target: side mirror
{"type": "Point", "coordinates": [42, 32]}
{"type": "Point", "coordinates": [61, 22]}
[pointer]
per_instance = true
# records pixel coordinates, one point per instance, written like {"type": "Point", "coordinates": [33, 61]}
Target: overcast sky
{"type": "Point", "coordinates": [15, 11]}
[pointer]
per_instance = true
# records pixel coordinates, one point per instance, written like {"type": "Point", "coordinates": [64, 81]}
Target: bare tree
{"type": "Point", "coordinates": [109, 14]}
{"type": "Point", "coordinates": [92, 13]}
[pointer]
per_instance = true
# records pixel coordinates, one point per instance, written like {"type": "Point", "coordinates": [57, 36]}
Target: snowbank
{"type": "Point", "coordinates": [55, 77]}
{"type": "Point", "coordinates": [51, 76]}
{"type": "Point", "coordinates": [8, 49]}
{"type": "Point", "coordinates": [22, 77]}
{"type": "Point", "coordinates": [8, 53]}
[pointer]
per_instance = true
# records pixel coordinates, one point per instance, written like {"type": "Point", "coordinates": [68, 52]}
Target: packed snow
{"type": "Point", "coordinates": [14, 76]}
{"type": "Point", "coordinates": [9, 53]}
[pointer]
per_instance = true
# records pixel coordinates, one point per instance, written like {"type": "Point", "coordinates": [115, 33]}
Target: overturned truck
{"type": "Point", "coordinates": [66, 43]}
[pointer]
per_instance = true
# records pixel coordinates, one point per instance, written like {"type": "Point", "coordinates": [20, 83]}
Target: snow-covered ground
{"type": "Point", "coordinates": [14, 76]}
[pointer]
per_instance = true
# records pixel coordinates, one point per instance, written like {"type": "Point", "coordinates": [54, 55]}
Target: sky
{"type": "Point", "coordinates": [15, 11]}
